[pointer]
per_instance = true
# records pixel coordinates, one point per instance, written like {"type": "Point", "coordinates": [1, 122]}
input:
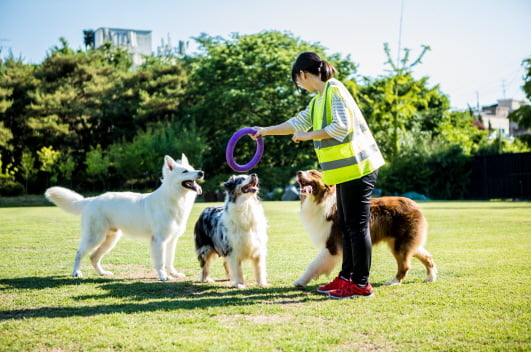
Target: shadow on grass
{"type": "Point", "coordinates": [140, 296]}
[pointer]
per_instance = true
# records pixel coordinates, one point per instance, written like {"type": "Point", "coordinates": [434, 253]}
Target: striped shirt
{"type": "Point", "coordinates": [341, 121]}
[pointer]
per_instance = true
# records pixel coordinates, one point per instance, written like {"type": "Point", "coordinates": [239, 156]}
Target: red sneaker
{"type": "Point", "coordinates": [352, 290]}
{"type": "Point", "coordinates": [338, 283]}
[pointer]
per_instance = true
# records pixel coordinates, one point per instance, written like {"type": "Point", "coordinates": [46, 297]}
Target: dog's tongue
{"type": "Point", "coordinates": [197, 188]}
{"type": "Point", "coordinates": [251, 189]}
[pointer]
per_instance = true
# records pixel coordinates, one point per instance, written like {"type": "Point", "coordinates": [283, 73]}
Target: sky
{"type": "Point", "coordinates": [477, 46]}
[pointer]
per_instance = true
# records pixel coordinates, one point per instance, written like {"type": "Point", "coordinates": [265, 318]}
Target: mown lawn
{"type": "Point", "coordinates": [480, 302]}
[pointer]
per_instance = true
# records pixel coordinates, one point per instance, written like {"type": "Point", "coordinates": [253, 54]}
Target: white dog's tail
{"type": "Point", "coordinates": [65, 199]}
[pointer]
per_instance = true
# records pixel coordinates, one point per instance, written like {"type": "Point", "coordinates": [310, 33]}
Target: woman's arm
{"type": "Point", "coordinates": [306, 136]}
{"type": "Point", "coordinates": [277, 130]}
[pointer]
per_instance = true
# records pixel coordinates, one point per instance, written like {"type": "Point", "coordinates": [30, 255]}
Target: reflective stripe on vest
{"type": "Point", "coordinates": [344, 160]}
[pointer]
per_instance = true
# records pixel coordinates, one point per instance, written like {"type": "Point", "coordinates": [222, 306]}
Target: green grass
{"type": "Point", "coordinates": [480, 302]}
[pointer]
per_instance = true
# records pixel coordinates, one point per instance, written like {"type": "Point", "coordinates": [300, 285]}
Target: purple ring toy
{"type": "Point", "coordinates": [229, 153]}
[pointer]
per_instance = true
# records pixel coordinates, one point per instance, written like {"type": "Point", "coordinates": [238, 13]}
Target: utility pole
{"type": "Point", "coordinates": [503, 88]}
{"type": "Point", "coordinates": [396, 143]}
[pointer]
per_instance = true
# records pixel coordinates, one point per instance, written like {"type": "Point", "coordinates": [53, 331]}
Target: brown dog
{"type": "Point", "coordinates": [395, 220]}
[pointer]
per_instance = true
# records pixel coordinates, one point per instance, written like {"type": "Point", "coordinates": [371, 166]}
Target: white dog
{"type": "Point", "coordinates": [236, 231]}
{"type": "Point", "coordinates": [159, 217]}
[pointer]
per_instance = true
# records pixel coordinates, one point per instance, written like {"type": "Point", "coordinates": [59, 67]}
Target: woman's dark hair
{"type": "Point", "coordinates": [312, 63]}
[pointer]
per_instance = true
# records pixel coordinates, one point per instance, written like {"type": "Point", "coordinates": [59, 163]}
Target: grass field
{"type": "Point", "coordinates": [481, 301]}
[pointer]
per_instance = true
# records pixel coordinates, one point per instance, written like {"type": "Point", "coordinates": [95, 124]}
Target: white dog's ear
{"type": "Point", "coordinates": [169, 163]}
{"type": "Point", "coordinates": [184, 160]}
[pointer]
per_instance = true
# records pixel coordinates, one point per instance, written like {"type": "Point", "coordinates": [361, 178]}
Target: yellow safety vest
{"type": "Point", "coordinates": [354, 157]}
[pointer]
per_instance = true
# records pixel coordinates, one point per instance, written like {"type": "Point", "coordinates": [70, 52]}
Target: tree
{"type": "Point", "coordinates": [27, 166]}
{"type": "Point", "coordinates": [397, 102]}
{"type": "Point", "coordinates": [5, 137]}
{"type": "Point", "coordinates": [245, 81]}
{"type": "Point", "coordinates": [48, 158]}
{"type": "Point", "coordinates": [88, 38]}
{"type": "Point", "coordinates": [70, 107]}
{"type": "Point", "coordinates": [97, 164]}
{"type": "Point", "coordinates": [161, 85]}
{"type": "Point", "coordinates": [395, 106]}
{"type": "Point", "coordinates": [66, 166]}
{"type": "Point", "coordinates": [17, 80]}
{"type": "Point", "coordinates": [522, 115]}
{"type": "Point", "coordinates": [139, 161]}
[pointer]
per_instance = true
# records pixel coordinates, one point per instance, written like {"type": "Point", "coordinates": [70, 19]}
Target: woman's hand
{"type": "Point", "coordinates": [259, 131]}
{"type": "Point", "coordinates": [276, 130]}
{"type": "Point", "coordinates": [308, 136]}
{"type": "Point", "coordinates": [300, 136]}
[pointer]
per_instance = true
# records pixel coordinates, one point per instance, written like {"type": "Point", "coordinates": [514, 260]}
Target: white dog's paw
{"type": "Point", "coordinates": [163, 276]}
{"type": "Point", "coordinates": [393, 282]}
{"type": "Point", "coordinates": [208, 280]}
{"type": "Point", "coordinates": [177, 274]}
{"type": "Point", "coordinates": [106, 273]}
{"type": "Point", "coordinates": [263, 284]}
{"type": "Point", "coordinates": [77, 273]}
{"type": "Point", "coordinates": [236, 285]}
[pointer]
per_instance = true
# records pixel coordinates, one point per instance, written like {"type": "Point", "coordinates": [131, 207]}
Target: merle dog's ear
{"type": "Point", "coordinates": [230, 183]}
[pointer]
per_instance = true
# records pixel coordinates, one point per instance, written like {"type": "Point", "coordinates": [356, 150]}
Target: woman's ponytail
{"type": "Point", "coordinates": [312, 63]}
{"type": "Point", "coordinates": [326, 71]}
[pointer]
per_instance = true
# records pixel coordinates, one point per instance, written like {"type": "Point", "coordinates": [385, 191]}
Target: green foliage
{"type": "Point", "coordinates": [10, 188]}
{"type": "Point", "coordinates": [112, 125]}
{"type": "Point", "coordinates": [8, 185]}
{"type": "Point", "coordinates": [500, 145]}
{"type": "Point", "coordinates": [5, 137]}
{"type": "Point", "coordinates": [140, 161]}
{"type": "Point", "coordinates": [429, 166]}
{"type": "Point", "coordinates": [404, 65]}
{"type": "Point", "coordinates": [97, 164]}
{"type": "Point", "coordinates": [456, 128]}
{"type": "Point", "coordinates": [66, 166]}
{"type": "Point", "coordinates": [244, 81]}
{"type": "Point", "coordinates": [399, 103]}
{"type": "Point", "coordinates": [27, 166]}
{"type": "Point", "coordinates": [48, 158]}
{"type": "Point", "coordinates": [522, 115]}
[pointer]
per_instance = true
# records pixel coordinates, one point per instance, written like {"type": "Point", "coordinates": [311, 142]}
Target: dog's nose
{"type": "Point", "coordinates": [299, 173]}
{"type": "Point", "coordinates": [201, 174]}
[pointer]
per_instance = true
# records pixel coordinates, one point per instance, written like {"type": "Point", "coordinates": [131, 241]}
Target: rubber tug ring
{"type": "Point", "coordinates": [229, 153]}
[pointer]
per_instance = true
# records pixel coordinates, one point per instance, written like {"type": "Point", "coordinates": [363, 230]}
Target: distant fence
{"type": "Point", "coordinates": [501, 176]}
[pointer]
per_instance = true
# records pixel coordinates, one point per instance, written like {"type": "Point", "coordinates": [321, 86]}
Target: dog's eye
{"type": "Point", "coordinates": [185, 171]}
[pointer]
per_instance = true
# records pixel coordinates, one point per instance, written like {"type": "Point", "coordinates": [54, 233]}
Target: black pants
{"type": "Point", "coordinates": [353, 203]}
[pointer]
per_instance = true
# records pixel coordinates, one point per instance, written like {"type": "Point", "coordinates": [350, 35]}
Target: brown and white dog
{"type": "Point", "coordinates": [395, 220]}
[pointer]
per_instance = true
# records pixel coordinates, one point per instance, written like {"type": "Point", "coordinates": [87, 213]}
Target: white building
{"type": "Point", "coordinates": [496, 116]}
{"type": "Point", "coordinates": [136, 42]}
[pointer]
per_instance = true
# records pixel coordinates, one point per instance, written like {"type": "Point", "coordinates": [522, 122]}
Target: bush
{"type": "Point", "coordinates": [10, 188]}
{"type": "Point", "coordinates": [428, 167]}
{"type": "Point", "coordinates": [140, 161]}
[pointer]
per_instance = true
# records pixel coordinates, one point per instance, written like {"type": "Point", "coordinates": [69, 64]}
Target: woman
{"type": "Point", "coordinates": [349, 158]}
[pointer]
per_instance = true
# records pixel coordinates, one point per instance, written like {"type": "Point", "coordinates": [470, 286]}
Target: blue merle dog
{"type": "Point", "coordinates": [236, 231]}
